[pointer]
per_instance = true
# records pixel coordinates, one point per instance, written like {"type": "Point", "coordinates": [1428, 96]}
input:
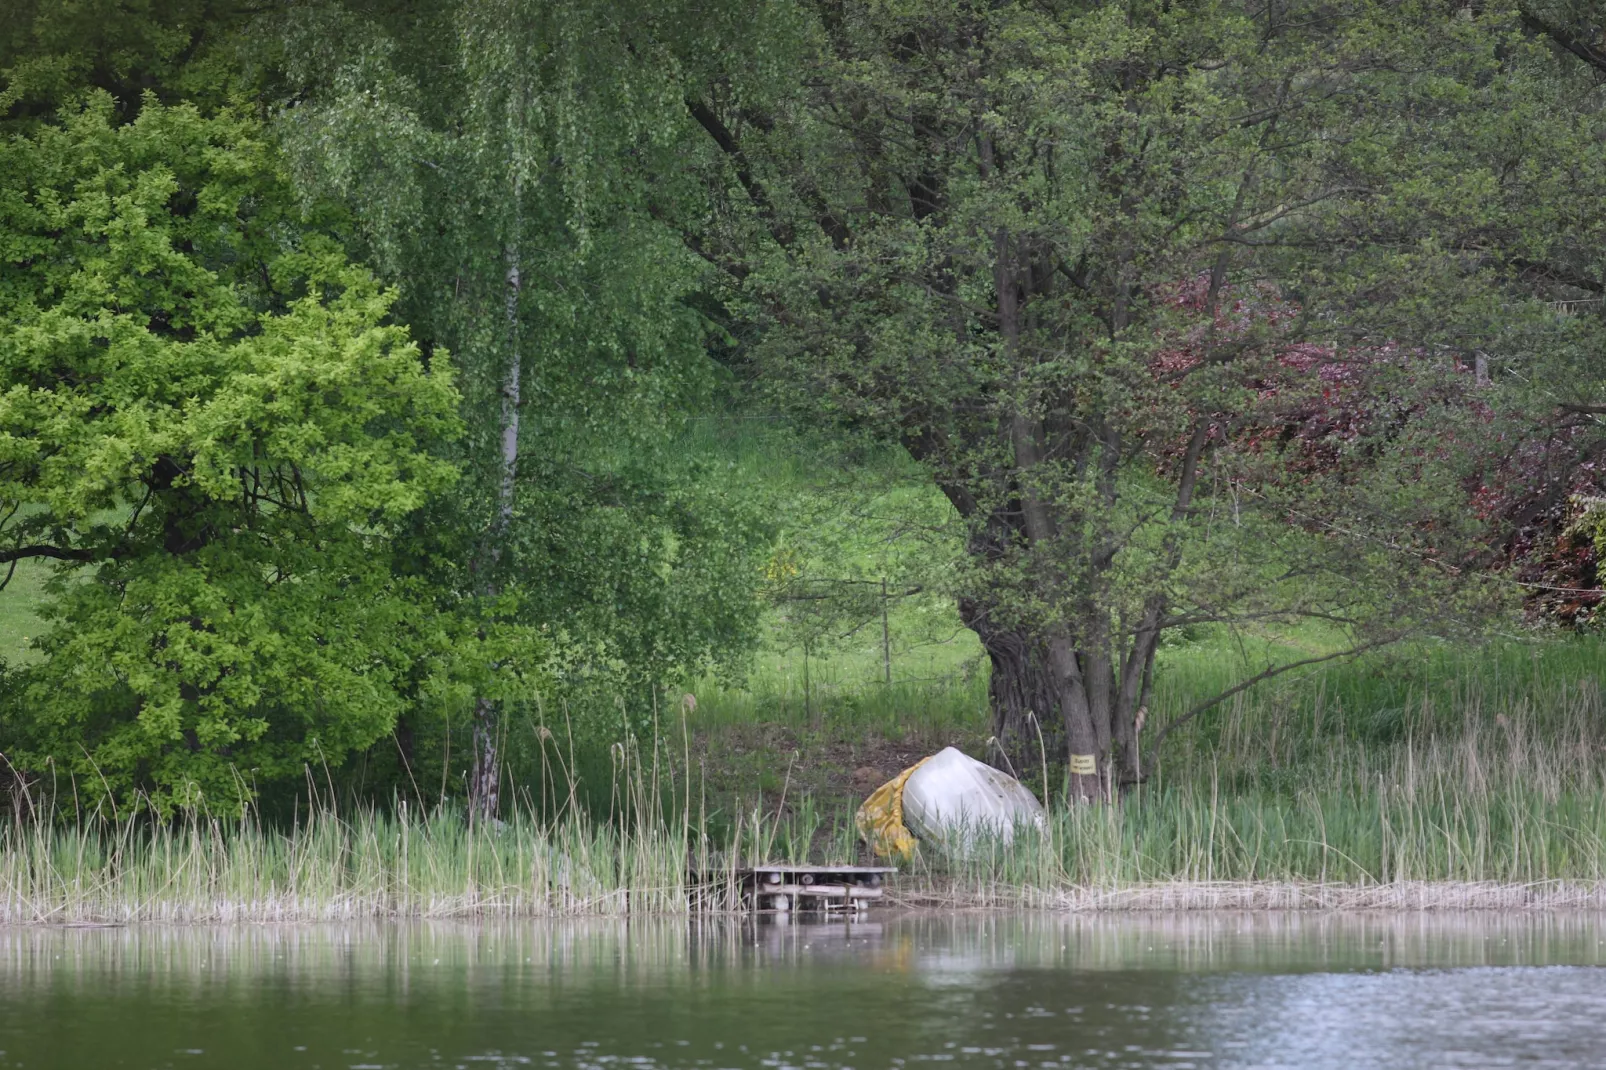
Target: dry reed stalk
{"type": "Point", "coordinates": [1495, 801]}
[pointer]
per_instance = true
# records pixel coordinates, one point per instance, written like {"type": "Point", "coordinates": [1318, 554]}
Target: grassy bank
{"type": "Point", "coordinates": [1486, 788]}
{"type": "Point", "coordinates": [1435, 847]}
{"type": "Point", "coordinates": [331, 869]}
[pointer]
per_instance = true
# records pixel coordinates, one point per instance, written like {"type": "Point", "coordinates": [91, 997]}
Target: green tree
{"type": "Point", "coordinates": [1535, 154]}
{"type": "Point", "coordinates": [1063, 252]}
{"type": "Point", "coordinates": [511, 165]}
{"type": "Point", "coordinates": [212, 428]}
{"type": "Point", "coordinates": [51, 53]}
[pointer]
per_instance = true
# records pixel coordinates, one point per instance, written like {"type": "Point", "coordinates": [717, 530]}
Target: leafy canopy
{"type": "Point", "coordinates": [209, 425]}
{"type": "Point", "coordinates": [512, 166]}
{"type": "Point", "coordinates": [969, 233]}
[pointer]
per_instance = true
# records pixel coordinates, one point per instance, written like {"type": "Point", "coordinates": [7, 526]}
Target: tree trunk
{"type": "Point", "coordinates": [1086, 744]}
{"type": "Point", "coordinates": [485, 777]}
{"type": "Point", "coordinates": [1027, 729]}
{"type": "Point", "coordinates": [1137, 676]}
{"type": "Point", "coordinates": [1085, 758]}
{"type": "Point", "coordinates": [486, 773]}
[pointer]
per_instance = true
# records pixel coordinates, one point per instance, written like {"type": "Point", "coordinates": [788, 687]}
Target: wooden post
{"type": "Point", "coordinates": [808, 709]}
{"type": "Point", "coordinates": [886, 634]}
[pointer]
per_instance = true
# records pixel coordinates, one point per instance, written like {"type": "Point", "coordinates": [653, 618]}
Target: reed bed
{"type": "Point", "coordinates": [333, 868]}
{"type": "Point", "coordinates": [1471, 806]}
{"type": "Point", "coordinates": [1441, 826]}
{"type": "Point", "coordinates": [1484, 789]}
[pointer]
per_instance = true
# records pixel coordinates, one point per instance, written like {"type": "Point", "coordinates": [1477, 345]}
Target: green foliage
{"type": "Point", "coordinates": [1099, 267]}
{"type": "Point", "coordinates": [1493, 793]}
{"type": "Point", "coordinates": [52, 52]}
{"type": "Point", "coordinates": [1049, 258]}
{"type": "Point", "coordinates": [210, 426]}
{"type": "Point", "coordinates": [510, 165]}
{"type": "Point", "coordinates": [849, 515]}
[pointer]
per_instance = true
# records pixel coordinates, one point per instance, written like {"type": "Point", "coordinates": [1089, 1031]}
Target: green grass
{"type": "Point", "coordinates": [1446, 778]}
{"type": "Point", "coordinates": [331, 868]}
{"type": "Point", "coordinates": [852, 517]}
{"type": "Point", "coordinates": [19, 619]}
{"type": "Point", "coordinates": [1500, 812]}
{"type": "Point", "coordinates": [1429, 774]}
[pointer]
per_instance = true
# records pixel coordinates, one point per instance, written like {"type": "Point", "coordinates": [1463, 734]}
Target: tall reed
{"type": "Point", "coordinates": [1481, 787]}
{"type": "Point", "coordinates": [1479, 793]}
{"type": "Point", "coordinates": [331, 867]}
{"type": "Point", "coordinates": [644, 856]}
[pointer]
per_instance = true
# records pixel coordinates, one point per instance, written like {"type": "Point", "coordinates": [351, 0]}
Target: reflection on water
{"type": "Point", "coordinates": [1005, 992]}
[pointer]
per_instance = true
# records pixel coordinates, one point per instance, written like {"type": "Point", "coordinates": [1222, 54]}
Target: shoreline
{"type": "Point", "coordinates": [1180, 897]}
{"type": "Point", "coordinates": [937, 897]}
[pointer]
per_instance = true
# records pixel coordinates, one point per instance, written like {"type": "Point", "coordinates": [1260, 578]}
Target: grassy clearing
{"type": "Point", "coordinates": [853, 519]}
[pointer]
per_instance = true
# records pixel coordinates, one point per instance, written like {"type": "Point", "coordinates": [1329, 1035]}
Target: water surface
{"type": "Point", "coordinates": [919, 992]}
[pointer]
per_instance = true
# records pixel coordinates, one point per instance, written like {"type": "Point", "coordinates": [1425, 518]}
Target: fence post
{"type": "Point", "coordinates": [886, 639]}
{"type": "Point", "coordinates": [808, 712]}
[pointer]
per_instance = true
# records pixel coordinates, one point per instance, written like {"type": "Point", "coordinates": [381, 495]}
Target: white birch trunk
{"type": "Point", "coordinates": [485, 777]}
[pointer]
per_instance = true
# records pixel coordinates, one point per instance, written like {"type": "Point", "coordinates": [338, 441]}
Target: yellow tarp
{"type": "Point", "coordinates": [880, 819]}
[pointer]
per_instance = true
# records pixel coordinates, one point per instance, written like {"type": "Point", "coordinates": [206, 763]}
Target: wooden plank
{"type": "Point", "coordinates": [823, 869]}
{"type": "Point", "coordinates": [824, 891]}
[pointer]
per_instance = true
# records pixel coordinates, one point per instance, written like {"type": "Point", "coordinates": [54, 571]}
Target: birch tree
{"type": "Point", "coordinates": [513, 165]}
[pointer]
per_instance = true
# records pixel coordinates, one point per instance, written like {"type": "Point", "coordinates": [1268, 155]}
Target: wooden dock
{"type": "Point", "coordinates": [783, 889]}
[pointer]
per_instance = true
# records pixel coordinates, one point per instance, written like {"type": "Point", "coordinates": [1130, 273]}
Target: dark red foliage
{"type": "Point", "coordinates": [1533, 505]}
{"type": "Point", "coordinates": [1321, 409]}
{"type": "Point", "coordinates": [1309, 401]}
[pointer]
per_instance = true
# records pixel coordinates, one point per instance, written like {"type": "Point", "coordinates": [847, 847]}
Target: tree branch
{"type": "Point", "coordinates": [1558, 273]}
{"type": "Point", "coordinates": [830, 222]}
{"type": "Point", "coordinates": [756, 192]}
{"type": "Point", "coordinates": [1590, 54]}
{"type": "Point", "coordinates": [1275, 670]}
{"type": "Point", "coordinates": [735, 268]}
{"type": "Point", "coordinates": [54, 553]}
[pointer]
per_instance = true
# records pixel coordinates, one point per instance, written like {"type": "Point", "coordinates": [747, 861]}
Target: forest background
{"type": "Point", "coordinates": [469, 402]}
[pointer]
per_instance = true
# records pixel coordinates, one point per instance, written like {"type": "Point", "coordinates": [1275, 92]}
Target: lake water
{"type": "Point", "coordinates": [917, 992]}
